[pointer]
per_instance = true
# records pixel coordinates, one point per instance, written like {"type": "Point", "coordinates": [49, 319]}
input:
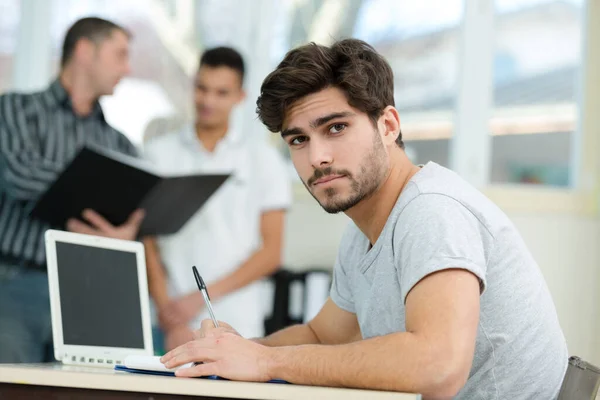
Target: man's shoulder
{"type": "Point", "coordinates": [11, 100]}
{"type": "Point", "coordinates": [167, 137]}
{"type": "Point", "coordinates": [435, 178]}
{"type": "Point", "coordinates": [264, 149]}
{"type": "Point", "coordinates": [266, 160]}
{"type": "Point", "coordinates": [158, 144]}
{"type": "Point", "coordinates": [438, 190]}
{"type": "Point", "coordinates": [439, 215]}
{"type": "Point", "coordinates": [18, 106]}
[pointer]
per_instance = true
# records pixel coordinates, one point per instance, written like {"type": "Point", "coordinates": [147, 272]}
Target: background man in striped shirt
{"type": "Point", "coordinates": [39, 134]}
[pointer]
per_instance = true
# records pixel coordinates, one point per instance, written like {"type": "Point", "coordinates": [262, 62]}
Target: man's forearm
{"type": "Point", "coordinates": [398, 362]}
{"type": "Point", "coordinates": [260, 264]}
{"type": "Point", "coordinates": [24, 175]}
{"type": "Point", "coordinates": [158, 292]}
{"type": "Point", "coordinates": [25, 181]}
{"type": "Point", "coordinates": [291, 336]}
{"type": "Point", "coordinates": [157, 281]}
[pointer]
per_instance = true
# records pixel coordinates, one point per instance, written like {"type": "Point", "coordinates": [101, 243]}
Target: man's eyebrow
{"type": "Point", "coordinates": [291, 131]}
{"type": "Point", "coordinates": [317, 122]}
{"type": "Point", "coordinates": [325, 119]}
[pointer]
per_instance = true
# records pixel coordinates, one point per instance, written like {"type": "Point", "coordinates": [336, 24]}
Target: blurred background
{"type": "Point", "coordinates": [505, 92]}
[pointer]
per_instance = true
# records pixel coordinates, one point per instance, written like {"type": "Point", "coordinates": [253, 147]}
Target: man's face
{"type": "Point", "coordinates": [336, 150]}
{"type": "Point", "coordinates": [110, 62]}
{"type": "Point", "coordinates": [217, 91]}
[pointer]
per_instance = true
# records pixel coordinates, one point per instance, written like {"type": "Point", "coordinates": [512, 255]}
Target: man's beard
{"type": "Point", "coordinates": [372, 172]}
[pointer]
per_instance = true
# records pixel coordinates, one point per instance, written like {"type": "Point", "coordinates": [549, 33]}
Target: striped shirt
{"type": "Point", "coordinates": [39, 134]}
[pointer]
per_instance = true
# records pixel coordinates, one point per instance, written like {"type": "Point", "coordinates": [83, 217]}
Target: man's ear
{"type": "Point", "coordinates": [84, 50]}
{"type": "Point", "coordinates": [390, 120]}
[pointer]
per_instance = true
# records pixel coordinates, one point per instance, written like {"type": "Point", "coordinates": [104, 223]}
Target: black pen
{"type": "Point", "coordinates": [202, 287]}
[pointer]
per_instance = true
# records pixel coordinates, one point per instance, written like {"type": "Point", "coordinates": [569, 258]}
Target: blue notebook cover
{"type": "Point", "coordinates": [168, 373]}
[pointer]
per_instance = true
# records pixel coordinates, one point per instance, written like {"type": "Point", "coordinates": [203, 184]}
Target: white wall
{"type": "Point", "coordinates": [312, 236]}
{"type": "Point", "coordinates": [565, 247]}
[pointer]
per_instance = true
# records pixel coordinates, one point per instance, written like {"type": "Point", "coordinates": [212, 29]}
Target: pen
{"type": "Point", "coordinates": [202, 287]}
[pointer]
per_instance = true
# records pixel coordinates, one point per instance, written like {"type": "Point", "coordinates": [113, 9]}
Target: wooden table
{"type": "Point", "coordinates": [56, 381]}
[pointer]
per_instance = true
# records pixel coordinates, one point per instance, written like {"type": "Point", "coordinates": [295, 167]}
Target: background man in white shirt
{"type": "Point", "coordinates": [236, 238]}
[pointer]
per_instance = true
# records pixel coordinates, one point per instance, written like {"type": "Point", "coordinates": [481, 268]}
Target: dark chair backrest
{"type": "Point", "coordinates": [281, 315]}
{"type": "Point", "coordinates": [581, 381]}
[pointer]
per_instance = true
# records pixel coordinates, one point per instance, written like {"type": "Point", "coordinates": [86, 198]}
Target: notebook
{"type": "Point", "coordinates": [151, 365]}
{"type": "Point", "coordinates": [115, 185]}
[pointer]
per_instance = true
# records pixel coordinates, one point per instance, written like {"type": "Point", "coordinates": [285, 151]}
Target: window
{"type": "Point", "coordinates": [536, 70]}
{"type": "Point", "coordinates": [9, 23]}
{"type": "Point", "coordinates": [536, 67]}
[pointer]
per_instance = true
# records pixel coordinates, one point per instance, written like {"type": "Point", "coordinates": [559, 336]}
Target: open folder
{"type": "Point", "coordinates": [114, 185]}
{"type": "Point", "coordinates": [151, 365]}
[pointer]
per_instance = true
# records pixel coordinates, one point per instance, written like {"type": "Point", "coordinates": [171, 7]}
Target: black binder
{"type": "Point", "coordinates": [114, 185]}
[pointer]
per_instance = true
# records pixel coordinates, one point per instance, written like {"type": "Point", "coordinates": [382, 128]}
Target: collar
{"type": "Point", "coordinates": [61, 98]}
{"type": "Point", "coordinates": [188, 136]}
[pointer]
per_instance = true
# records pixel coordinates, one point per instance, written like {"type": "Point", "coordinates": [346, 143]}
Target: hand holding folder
{"type": "Point", "coordinates": [96, 225]}
{"type": "Point", "coordinates": [114, 185]}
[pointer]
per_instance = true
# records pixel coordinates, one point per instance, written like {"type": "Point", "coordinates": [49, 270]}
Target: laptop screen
{"type": "Point", "coordinates": [99, 296]}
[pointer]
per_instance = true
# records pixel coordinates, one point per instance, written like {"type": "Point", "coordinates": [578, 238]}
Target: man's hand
{"type": "Point", "coordinates": [181, 311]}
{"type": "Point", "coordinates": [224, 354]}
{"type": "Point", "coordinates": [99, 226]}
{"type": "Point", "coordinates": [208, 329]}
{"type": "Point", "coordinates": [177, 336]}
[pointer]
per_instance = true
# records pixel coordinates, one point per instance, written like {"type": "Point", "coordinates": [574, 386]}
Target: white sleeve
{"type": "Point", "coordinates": [273, 180]}
{"type": "Point", "coordinates": [161, 152]}
{"type": "Point", "coordinates": [151, 151]}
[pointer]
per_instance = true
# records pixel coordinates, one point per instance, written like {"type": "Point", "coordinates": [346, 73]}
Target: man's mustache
{"type": "Point", "coordinates": [319, 173]}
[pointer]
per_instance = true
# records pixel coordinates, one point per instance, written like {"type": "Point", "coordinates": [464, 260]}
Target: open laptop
{"type": "Point", "coordinates": [98, 299]}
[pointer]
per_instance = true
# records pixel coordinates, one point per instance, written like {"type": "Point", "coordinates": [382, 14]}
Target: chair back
{"type": "Point", "coordinates": [581, 381]}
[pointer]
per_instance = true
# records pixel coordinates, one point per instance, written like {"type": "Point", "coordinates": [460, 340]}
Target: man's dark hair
{"type": "Point", "coordinates": [224, 57]}
{"type": "Point", "coordinates": [91, 28]}
{"type": "Point", "coordinates": [350, 65]}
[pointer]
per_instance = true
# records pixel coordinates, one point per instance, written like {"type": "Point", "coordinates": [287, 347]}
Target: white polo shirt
{"type": "Point", "coordinates": [225, 232]}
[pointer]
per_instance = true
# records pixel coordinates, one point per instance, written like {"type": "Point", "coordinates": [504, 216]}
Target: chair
{"type": "Point", "coordinates": [581, 381]}
{"type": "Point", "coordinates": [285, 310]}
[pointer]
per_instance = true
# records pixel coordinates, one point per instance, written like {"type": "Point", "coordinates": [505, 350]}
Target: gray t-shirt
{"type": "Point", "coordinates": [440, 222]}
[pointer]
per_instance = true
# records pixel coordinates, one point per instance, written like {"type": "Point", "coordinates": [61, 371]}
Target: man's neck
{"type": "Point", "coordinates": [77, 86]}
{"type": "Point", "coordinates": [371, 214]}
{"type": "Point", "coordinates": [209, 136]}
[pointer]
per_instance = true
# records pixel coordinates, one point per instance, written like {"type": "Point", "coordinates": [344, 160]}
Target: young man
{"type": "Point", "coordinates": [236, 239]}
{"type": "Point", "coordinates": [39, 135]}
{"type": "Point", "coordinates": [434, 290]}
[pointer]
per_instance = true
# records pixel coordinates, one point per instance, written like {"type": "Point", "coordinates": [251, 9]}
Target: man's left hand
{"type": "Point", "coordinates": [181, 310]}
{"type": "Point", "coordinates": [177, 336]}
{"type": "Point", "coordinates": [99, 226]}
{"type": "Point", "coordinates": [226, 355]}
